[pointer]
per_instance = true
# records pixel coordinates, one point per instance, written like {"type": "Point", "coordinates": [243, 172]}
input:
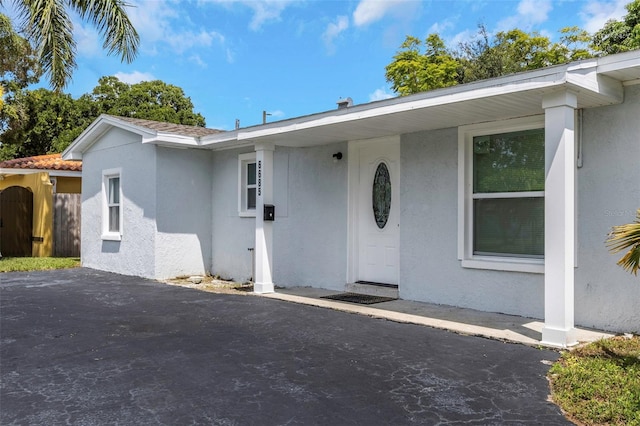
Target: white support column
{"type": "Point", "coordinates": [559, 217]}
{"type": "Point", "coordinates": [263, 282]}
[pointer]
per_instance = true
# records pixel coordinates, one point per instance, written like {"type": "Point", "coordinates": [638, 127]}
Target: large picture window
{"type": "Point", "coordinates": [502, 196]}
{"type": "Point", "coordinates": [112, 205]}
{"type": "Point", "coordinates": [247, 180]}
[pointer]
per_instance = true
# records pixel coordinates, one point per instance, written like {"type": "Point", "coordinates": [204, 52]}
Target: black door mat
{"type": "Point", "coordinates": [361, 299]}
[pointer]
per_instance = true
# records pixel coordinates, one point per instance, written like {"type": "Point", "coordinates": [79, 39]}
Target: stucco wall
{"type": "Point", "coordinates": [232, 235]}
{"type": "Point", "coordinates": [183, 217]}
{"type": "Point", "coordinates": [429, 268]}
{"type": "Point", "coordinates": [606, 296]}
{"type": "Point", "coordinates": [310, 243]}
{"type": "Point", "coordinates": [134, 255]}
{"type": "Point", "coordinates": [309, 233]}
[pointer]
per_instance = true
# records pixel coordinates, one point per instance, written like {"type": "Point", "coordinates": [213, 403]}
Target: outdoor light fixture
{"type": "Point", "coordinates": [337, 156]}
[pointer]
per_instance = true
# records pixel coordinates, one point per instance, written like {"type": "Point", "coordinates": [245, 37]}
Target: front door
{"type": "Point", "coordinates": [378, 211]}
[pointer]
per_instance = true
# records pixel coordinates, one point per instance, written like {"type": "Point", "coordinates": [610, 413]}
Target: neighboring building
{"type": "Point", "coordinates": [496, 195]}
{"type": "Point", "coordinates": [39, 206]}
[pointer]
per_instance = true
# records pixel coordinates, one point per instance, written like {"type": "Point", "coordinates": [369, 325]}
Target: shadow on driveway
{"type": "Point", "coordinates": [87, 347]}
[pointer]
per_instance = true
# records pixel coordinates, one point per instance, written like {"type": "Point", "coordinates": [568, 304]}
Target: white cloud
{"type": "Point", "coordinates": [530, 13]}
{"type": "Point", "coordinates": [380, 94]}
{"type": "Point", "coordinates": [440, 27]}
{"type": "Point", "coordinates": [596, 13]}
{"type": "Point", "coordinates": [333, 30]}
{"type": "Point", "coordinates": [370, 11]}
{"type": "Point", "coordinates": [264, 11]}
{"type": "Point", "coordinates": [162, 22]}
{"type": "Point", "coordinates": [87, 40]}
{"type": "Point", "coordinates": [134, 77]}
{"type": "Point", "coordinates": [196, 59]}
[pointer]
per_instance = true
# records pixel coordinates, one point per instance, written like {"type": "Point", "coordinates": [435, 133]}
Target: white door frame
{"type": "Point", "coordinates": [353, 198]}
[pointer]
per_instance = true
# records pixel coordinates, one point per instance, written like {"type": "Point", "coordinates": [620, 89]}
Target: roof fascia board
{"type": "Point", "coordinates": [587, 78]}
{"type": "Point", "coordinates": [165, 138]}
{"type": "Point", "coordinates": [99, 127]}
{"type": "Point", "coordinates": [618, 62]}
{"type": "Point", "coordinates": [551, 80]}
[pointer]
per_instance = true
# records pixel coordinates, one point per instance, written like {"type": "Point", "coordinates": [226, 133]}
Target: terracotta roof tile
{"type": "Point", "coordinates": [42, 162]}
{"type": "Point", "coordinates": [180, 129]}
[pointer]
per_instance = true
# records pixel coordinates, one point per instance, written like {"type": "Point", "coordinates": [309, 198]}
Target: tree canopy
{"type": "Point", "coordinates": [50, 120]}
{"type": "Point", "coordinates": [47, 25]}
{"type": "Point", "coordinates": [485, 56]}
{"type": "Point", "coordinates": [418, 66]}
{"type": "Point", "coordinates": [620, 36]}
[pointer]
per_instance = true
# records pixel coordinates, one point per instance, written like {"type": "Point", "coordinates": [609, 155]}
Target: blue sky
{"type": "Point", "coordinates": [236, 58]}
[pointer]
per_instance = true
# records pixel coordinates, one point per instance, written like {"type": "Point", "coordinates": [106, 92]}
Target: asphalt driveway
{"type": "Point", "coordinates": [91, 348]}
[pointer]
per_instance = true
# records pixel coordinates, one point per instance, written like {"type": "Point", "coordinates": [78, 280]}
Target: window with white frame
{"type": "Point", "coordinates": [112, 205]}
{"type": "Point", "coordinates": [502, 174]}
{"type": "Point", "coordinates": [247, 181]}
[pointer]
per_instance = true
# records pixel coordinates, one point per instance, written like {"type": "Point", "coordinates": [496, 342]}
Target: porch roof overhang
{"type": "Point", "coordinates": [595, 82]}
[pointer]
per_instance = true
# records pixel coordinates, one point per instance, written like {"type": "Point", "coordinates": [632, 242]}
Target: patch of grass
{"type": "Point", "coordinates": [599, 384]}
{"type": "Point", "coordinates": [17, 264]}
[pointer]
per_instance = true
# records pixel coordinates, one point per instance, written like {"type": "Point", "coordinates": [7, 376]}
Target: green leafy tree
{"type": "Point", "coordinates": [47, 24]}
{"type": "Point", "coordinates": [51, 121]}
{"type": "Point", "coordinates": [152, 100]}
{"type": "Point", "coordinates": [620, 36]}
{"type": "Point", "coordinates": [623, 237]}
{"type": "Point", "coordinates": [486, 56]}
{"type": "Point", "coordinates": [515, 51]}
{"type": "Point", "coordinates": [46, 115]}
{"type": "Point", "coordinates": [412, 71]}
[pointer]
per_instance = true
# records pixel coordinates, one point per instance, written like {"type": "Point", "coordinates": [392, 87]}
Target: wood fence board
{"type": "Point", "coordinates": [66, 225]}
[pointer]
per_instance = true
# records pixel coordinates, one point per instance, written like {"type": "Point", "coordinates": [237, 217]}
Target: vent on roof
{"type": "Point", "coordinates": [344, 103]}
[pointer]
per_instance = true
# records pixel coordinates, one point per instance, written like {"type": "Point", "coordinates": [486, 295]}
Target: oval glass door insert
{"type": "Point", "coordinates": [381, 195]}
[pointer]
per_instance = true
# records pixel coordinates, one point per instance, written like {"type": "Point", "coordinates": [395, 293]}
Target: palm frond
{"type": "Point", "coordinates": [112, 22]}
{"type": "Point", "coordinates": [48, 25]}
{"type": "Point", "coordinates": [624, 237]}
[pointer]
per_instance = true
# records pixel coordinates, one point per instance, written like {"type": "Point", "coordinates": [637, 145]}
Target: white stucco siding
{"type": "Point", "coordinates": [232, 235]}
{"type": "Point", "coordinates": [183, 214]}
{"type": "Point", "coordinates": [134, 254]}
{"type": "Point", "coordinates": [429, 267]}
{"type": "Point", "coordinates": [606, 296]}
{"type": "Point", "coordinates": [310, 242]}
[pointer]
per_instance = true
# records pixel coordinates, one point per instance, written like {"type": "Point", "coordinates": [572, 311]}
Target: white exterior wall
{"type": "Point", "coordinates": [606, 296]}
{"type": "Point", "coordinates": [310, 243]}
{"type": "Point", "coordinates": [429, 267]}
{"type": "Point", "coordinates": [310, 230]}
{"type": "Point", "coordinates": [134, 254]}
{"type": "Point", "coordinates": [232, 235]}
{"type": "Point", "coordinates": [183, 212]}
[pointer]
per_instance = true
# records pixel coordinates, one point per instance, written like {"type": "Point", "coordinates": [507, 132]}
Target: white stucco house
{"type": "Point", "coordinates": [496, 195]}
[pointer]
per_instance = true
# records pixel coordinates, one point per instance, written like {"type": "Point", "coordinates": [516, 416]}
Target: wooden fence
{"type": "Point", "coordinates": [66, 225]}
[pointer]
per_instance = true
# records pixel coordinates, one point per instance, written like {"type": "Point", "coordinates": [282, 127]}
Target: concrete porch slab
{"type": "Point", "coordinates": [511, 328]}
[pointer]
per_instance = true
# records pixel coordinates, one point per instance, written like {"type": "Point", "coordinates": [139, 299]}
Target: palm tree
{"type": "Point", "coordinates": [624, 237]}
{"type": "Point", "coordinates": [47, 24]}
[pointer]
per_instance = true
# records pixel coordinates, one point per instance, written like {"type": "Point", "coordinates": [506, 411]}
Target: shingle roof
{"type": "Point", "coordinates": [181, 129]}
{"type": "Point", "coordinates": [42, 162]}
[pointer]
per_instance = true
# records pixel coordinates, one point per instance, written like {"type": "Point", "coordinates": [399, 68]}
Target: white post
{"type": "Point", "coordinates": [559, 217]}
{"type": "Point", "coordinates": [263, 282]}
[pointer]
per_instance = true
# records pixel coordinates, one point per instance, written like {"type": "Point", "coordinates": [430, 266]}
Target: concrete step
{"type": "Point", "coordinates": [373, 289]}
